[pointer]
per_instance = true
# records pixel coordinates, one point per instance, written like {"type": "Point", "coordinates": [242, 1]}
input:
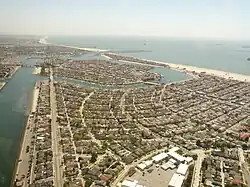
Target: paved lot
{"type": "Point", "coordinates": [157, 178]}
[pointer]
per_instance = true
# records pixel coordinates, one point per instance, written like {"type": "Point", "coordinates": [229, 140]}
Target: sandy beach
{"type": "Point", "coordinates": [35, 98]}
{"type": "Point", "coordinates": [191, 70]}
{"type": "Point", "coordinates": [2, 84]}
{"type": "Point", "coordinates": [177, 67]}
{"type": "Point", "coordinates": [218, 73]}
{"type": "Point", "coordinates": [23, 163]}
{"type": "Point", "coordinates": [36, 71]}
{"type": "Point", "coordinates": [44, 41]}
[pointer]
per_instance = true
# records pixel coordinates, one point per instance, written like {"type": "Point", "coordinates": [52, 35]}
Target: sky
{"type": "Point", "coordinates": [175, 18]}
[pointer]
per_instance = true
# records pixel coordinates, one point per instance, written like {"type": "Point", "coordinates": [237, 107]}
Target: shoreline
{"type": "Point", "coordinates": [190, 70]}
{"type": "Point", "coordinates": [36, 71]}
{"type": "Point", "coordinates": [22, 160]}
{"type": "Point", "coordinates": [13, 72]}
{"type": "Point", "coordinates": [193, 70]}
{"type": "Point", "coordinates": [44, 42]}
{"type": "Point", "coordinates": [2, 84]}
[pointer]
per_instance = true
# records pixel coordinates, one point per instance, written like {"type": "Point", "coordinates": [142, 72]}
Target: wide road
{"type": "Point", "coordinates": [197, 168]}
{"type": "Point", "coordinates": [244, 167]}
{"type": "Point", "coordinates": [58, 180]}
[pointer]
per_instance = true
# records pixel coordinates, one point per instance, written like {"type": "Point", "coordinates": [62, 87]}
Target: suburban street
{"type": "Point", "coordinates": [197, 167]}
{"type": "Point", "coordinates": [244, 167]}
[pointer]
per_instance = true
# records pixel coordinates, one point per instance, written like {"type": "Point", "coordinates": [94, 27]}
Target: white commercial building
{"type": "Point", "coordinates": [148, 163]}
{"type": "Point", "coordinates": [128, 183]}
{"type": "Point", "coordinates": [145, 165]}
{"type": "Point", "coordinates": [182, 169]}
{"type": "Point", "coordinates": [176, 156]}
{"type": "Point", "coordinates": [168, 165]}
{"type": "Point", "coordinates": [141, 166]}
{"type": "Point", "coordinates": [174, 149]}
{"type": "Point", "coordinates": [176, 180]}
{"type": "Point", "coordinates": [189, 160]}
{"type": "Point", "coordinates": [159, 157]}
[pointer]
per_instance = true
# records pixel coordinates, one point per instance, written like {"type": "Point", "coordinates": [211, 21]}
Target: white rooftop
{"type": "Point", "coordinates": [176, 156]}
{"type": "Point", "coordinates": [159, 157]}
{"type": "Point", "coordinates": [128, 183]}
{"type": "Point", "coordinates": [148, 162]}
{"type": "Point", "coordinates": [168, 165]}
{"type": "Point", "coordinates": [189, 159]}
{"type": "Point", "coordinates": [142, 166]}
{"type": "Point", "coordinates": [174, 149]}
{"type": "Point", "coordinates": [176, 180]}
{"type": "Point", "coordinates": [182, 169]}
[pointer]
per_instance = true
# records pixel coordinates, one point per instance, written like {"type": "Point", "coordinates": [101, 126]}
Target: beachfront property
{"type": "Point", "coordinates": [147, 135]}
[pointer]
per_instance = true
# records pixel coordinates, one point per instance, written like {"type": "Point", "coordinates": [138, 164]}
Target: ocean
{"type": "Point", "coordinates": [229, 56]}
{"type": "Point", "coordinates": [14, 97]}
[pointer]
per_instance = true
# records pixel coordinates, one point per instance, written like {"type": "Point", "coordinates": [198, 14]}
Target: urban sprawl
{"type": "Point", "coordinates": [111, 123]}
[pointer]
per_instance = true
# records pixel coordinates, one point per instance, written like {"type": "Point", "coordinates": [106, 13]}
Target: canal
{"type": "Point", "coordinates": [14, 101]}
{"type": "Point", "coordinates": [15, 98]}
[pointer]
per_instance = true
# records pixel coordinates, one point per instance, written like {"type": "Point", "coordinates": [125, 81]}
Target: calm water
{"type": "Point", "coordinates": [221, 55]}
{"type": "Point", "coordinates": [15, 96]}
{"type": "Point", "coordinates": [14, 100]}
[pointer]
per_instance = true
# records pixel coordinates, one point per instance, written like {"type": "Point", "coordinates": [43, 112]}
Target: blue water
{"type": "Point", "coordinates": [168, 75]}
{"type": "Point", "coordinates": [14, 100]}
{"type": "Point", "coordinates": [15, 96]}
{"type": "Point", "coordinates": [220, 55]}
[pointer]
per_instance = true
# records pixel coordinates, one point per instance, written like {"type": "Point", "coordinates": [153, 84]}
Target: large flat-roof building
{"type": "Point", "coordinates": [129, 183]}
{"type": "Point", "coordinates": [176, 180]}
{"type": "Point", "coordinates": [177, 156]}
{"type": "Point", "coordinates": [145, 165]}
{"type": "Point", "coordinates": [182, 169]}
{"type": "Point", "coordinates": [159, 157]}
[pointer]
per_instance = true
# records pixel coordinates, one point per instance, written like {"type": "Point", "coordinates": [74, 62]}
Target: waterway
{"type": "Point", "coordinates": [14, 101]}
{"type": "Point", "coordinates": [229, 56]}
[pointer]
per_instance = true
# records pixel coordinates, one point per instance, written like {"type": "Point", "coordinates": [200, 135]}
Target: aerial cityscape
{"type": "Point", "coordinates": [111, 121]}
{"type": "Point", "coordinates": [125, 93]}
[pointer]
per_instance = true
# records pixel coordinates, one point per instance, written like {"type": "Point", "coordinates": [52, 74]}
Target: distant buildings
{"type": "Point", "coordinates": [1, 53]}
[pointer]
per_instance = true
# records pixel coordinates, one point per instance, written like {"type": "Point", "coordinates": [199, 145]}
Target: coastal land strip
{"type": "Point", "coordinates": [176, 67]}
{"type": "Point", "coordinates": [106, 133]}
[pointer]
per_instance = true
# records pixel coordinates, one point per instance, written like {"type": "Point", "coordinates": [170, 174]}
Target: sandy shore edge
{"type": "Point", "coordinates": [177, 67]}
{"type": "Point", "coordinates": [36, 71]}
{"type": "Point", "coordinates": [22, 159]}
{"type": "Point", "coordinates": [2, 84]}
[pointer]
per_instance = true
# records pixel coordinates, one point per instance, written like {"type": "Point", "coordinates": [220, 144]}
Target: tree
{"type": "Point", "coordinates": [244, 146]}
{"type": "Point", "coordinates": [88, 183]}
{"type": "Point", "coordinates": [131, 171]}
{"type": "Point", "coordinates": [93, 157]}
{"type": "Point", "coordinates": [198, 143]}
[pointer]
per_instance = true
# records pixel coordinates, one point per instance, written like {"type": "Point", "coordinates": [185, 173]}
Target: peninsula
{"type": "Point", "coordinates": [188, 133]}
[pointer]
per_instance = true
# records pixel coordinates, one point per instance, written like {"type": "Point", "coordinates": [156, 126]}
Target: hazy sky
{"type": "Point", "coordinates": [182, 18]}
